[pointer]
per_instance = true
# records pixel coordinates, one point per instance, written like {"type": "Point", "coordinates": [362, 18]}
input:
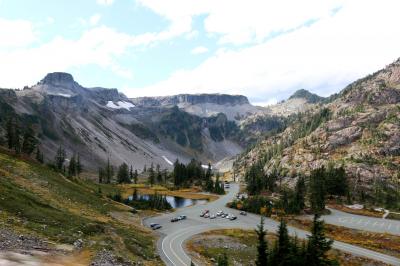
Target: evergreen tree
{"type": "Point", "coordinates": [317, 190]}
{"type": "Point", "coordinates": [336, 181]}
{"type": "Point", "coordinates": [60, 158]}
{"type": "Point", "coordinates": [254, 178]}
{"type": "Point", "coordinates": [109, 172]}
{"type": "Point", "coordinates": [282, 249]}
{"type": "Point", "coordinates": [218, 186]}
{"type": "Point", "coordinates": [222, 260]}
{"type": "Point", "coordinates": [135, 176]}
{"type": "Point", "coordinates": [131, 173]}
{"type": "Point", "coordinates": [29, 141]}
{"type": "Point", "coordinates": [165, 175]}
{"type": "Point", "coordinates": [72, 166]}
{"type": "Point", "coordinates": [151, 175]}
{"type": "Point", "coordinates": [318, 245]}
{"type": "Point", "coordinates": [262, 247]}
{"type": "Point", "coordinates": [17, 138]}
{"type": "Point", "coordinates": [158, 174]}
{"type": "Point", "coordinates": [79, 166]}
{"type": "Point", "coordinates": [123, 174]}
{"type": "Point", "coordinates": [300, 194]}
{"type": "Point", "coordinates": [101, 175]}
{"type": "Point", "coordinates": [10, 135]}
{"type": "Point", "coordinates": [39, 156]}
{"type": "Point", "coordinates": [209, 185]}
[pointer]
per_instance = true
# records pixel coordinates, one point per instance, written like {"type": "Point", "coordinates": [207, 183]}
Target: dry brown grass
{"type": "Point", "coordinates": [383, 243]}
{"type": "Point", "coordinates": [188, 193]}
{"type": "Point", "coordinates": [197, 248]}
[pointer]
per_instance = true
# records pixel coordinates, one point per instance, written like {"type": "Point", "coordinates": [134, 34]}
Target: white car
{"type": "Point", "coordinates": [207, 215]}
{"type": "Point", "coordinates": [212, 216]}
{"type": "Point", "coordinates": [219, 213]}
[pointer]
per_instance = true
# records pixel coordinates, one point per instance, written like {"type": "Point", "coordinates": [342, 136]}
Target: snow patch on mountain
{"type": "Point", "coordinates": [166, 159]}
{"type": "Point", "coordinates": [120, 105]}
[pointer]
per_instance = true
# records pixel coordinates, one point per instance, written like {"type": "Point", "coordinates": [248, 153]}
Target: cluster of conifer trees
{"type": "Point", "coordinates": [186, 175]}
{"type": "Point", "coordinates": [288, 251]}
{"type": "Point", "coordinates": [125, 174]}
{"type": "Point", "coordinates": [322, 182]}
{"type": "Point", "coordinates": [21, 140]}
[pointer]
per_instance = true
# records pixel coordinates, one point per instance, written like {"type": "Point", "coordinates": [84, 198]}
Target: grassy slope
{"type": "Point", "coordinates": [36, 200]}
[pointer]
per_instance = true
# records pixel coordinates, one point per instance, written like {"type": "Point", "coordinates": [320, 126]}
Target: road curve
{"type": "Point", "coordinates": [173, 235]}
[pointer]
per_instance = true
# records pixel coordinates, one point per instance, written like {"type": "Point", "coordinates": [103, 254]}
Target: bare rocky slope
{"type": "Point", "coordinates": [101, 123]}
{"type": "Point", "coordinates": [358, 128]}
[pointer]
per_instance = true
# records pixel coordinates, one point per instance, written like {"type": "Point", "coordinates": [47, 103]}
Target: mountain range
{"type": "Point", "coordinates": [359, 129]}
{"type": "Point", "coordinates": [100, 124]}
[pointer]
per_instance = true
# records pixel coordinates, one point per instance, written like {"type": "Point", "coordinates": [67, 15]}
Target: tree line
{"type": "Point", "coordinates": [287, 251]}
{"type": "Point", "coordinates": [322, 182]}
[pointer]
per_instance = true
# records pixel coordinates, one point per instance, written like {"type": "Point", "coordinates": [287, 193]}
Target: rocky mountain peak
{"type": "Point", "coordinates": [192, 99]}
{"type": "Point", "coordinates": [57, 78]}
{"type": "Point", "coordinates": [305, 94]}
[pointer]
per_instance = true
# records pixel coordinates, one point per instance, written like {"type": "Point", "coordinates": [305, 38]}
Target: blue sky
{"type": "Point", "coordinates": [262, 49]}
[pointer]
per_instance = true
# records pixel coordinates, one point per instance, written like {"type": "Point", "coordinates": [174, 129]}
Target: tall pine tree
{"type": "Point", "coordinates": [318, 245]}
{"type": "Point", "coordinates": [262, 247]}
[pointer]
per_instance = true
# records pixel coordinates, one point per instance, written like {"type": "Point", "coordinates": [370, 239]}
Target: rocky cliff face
{"type": "Point", "coordinates": [359, 130]}
{"type": "Point", "coordinates": [101, 123]}
{"type": "Point", "coordinates": [220, 99]}
{"type": "Point", "coordinates": [235, 107]}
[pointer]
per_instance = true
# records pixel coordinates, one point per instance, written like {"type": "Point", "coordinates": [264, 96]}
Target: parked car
{"type": "Point", "coordinates": [223, 215]}
{"type": "Point", "coordinates": [181, 217]}
{"type": "Point", "coordinates": [232, 218]}
{"type": "Point", "coordinates": [243, 213]}
{"type": "Point", "coordinates": [228, 216]}
{"type": "Point", "coordinates": [207, 215]}
{"type": "Point", "coordinates": [204, 213]}
{"type": "Point", "coordinates": [153, 224]}
{"type": "Point", "coordinates": [175, 219]}
{"type": "Point", "coordinates": [219, 213]}
{"type": "Point", "coordinates": [157, 226]}
{"type": "Point", "coordinates": [212, 216]}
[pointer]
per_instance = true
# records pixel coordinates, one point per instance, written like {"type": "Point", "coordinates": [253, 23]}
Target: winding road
{"type": "Point", "coordinates": [173, 235]}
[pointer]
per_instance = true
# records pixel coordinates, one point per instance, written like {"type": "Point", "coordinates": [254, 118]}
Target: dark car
{"type": "Point", "coordinates": [243, 213]}
{"type": "Point", "coordinates": [204, 213]}
{"type": "Point", "coordinates": [153, 224]}
{"type": "Point", "coordinates": [175, 219]}
{"type": "Point", "coordinates": [232, 218]}
{"type": "Point", "coordinates": [157, 226]}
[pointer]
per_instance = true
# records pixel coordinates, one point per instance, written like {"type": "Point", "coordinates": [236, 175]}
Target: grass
{"type": "Point", "coordinates": [39, 201]}
{"type": "Point", "coordinates": [188, 193]}
{"type": "Point", "coordinates": [206, 248]}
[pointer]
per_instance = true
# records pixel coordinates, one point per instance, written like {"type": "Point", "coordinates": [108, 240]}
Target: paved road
{"type": "Point", "coordinates": [175, 234]}
{"type": "Point", "coordinates": [365, 223]}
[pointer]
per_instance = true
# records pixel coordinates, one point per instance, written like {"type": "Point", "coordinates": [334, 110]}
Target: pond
{"type": "Point", "coordinates": [176, 202]}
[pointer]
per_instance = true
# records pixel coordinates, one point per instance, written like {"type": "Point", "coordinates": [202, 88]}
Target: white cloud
{"type": "Point", "coordinates": [94, 20]}
{"type": "Point", "coordinates": [240, 22]}
{"type": "Point", "coordinates": [199, 50]}
{"type": "Point", "coordinates": [16, 33]}
{"type": "Point", "coordinates": [100, 46]}
{"type": "Point", "coordinates": [105, 2]}
{"type": "Point", "coordinates": [362, 37]}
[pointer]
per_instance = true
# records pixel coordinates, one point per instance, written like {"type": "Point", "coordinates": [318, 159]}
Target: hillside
{"type": "Point", "coordinates": [235, 107]}
{"type": "Point", "coordinates": [101, 123]}
{"type": "Point", "coordinates": [65, 218]}
{"type": "Point", "coordinates": [360, 130]}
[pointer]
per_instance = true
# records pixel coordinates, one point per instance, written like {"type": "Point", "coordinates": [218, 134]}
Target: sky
{"type": "Point", "coordinates": [262, 49]}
